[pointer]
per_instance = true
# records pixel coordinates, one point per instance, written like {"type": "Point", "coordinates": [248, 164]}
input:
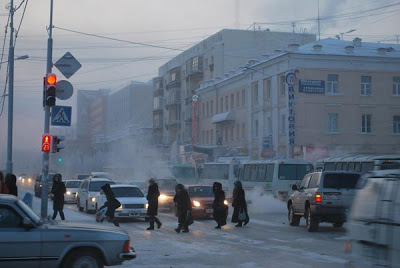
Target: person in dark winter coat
{"type": "Point", "coordinates": [111, 204]}
{"type": "Point", "coordinates": [152, 198]}
{"type": "Point", "coordinates": [183, 208]}
{"type": "Point", "coordinates": [219, 207]}
{"type": "Point", "coordinates": [239, 204]}
{"type": "Point", "coordinates": [3, 185]}
{"type": "Point", "coordinates": [11, 182]}
{"type": "Point", "coordinates": [58, 190]}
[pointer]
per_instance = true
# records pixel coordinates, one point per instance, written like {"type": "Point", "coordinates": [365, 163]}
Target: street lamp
{"type": "Point", "coordinates": [11, 108]}
{"type": "Point", "coordinates": [17, 58]}
{"type": "Point", "coordinates": [352, 30]}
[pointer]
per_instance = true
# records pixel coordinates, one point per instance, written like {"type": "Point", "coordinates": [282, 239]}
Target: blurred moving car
{"type": "Point", "coordinates": [87, 191]}
{"type": "Point", "coordinates": [323, 196]}
{"type": "Point", "coordinates": [202, 198]}
{"type": "Point", "coordinates": [38, 184]}
{"type": "Point", "coordinates": [25, 240]}
{"type": "Point", "coordinates": [26, 179]}
{"type": "Point", "coordinates": [374, 227]}
{"type": "Point", "coordinates": [166, 187]}
{"type": "Point", "coordinates": [80, 176]}
{"type": "Point", "coordinates": [133, 202]}
{"type": "Point", "coordinates": [72, 187]}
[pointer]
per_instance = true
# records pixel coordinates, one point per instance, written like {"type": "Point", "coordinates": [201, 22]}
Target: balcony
{"type": "Point", "coordinates": [158, 92]}
{"type": "Point", "coordinates": [173, 84]}
{"type": "Point", "coordinates": [194, 68]}
{"type": "Point", "coordinates": [174, 98]}
{"type": "Point", "coordinates": [158, 104]}
{"type": "Point", "coordinates": [173, 123]}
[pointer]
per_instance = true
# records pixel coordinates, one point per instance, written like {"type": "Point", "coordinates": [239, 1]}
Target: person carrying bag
{"type": "Point", "coordinates": [239, 206]}
{"type": "Point", "coordinates": [220, 212]}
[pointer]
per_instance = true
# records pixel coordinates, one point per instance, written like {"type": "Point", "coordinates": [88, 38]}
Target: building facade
{"type": "Point", "coordinates": [328, 97]}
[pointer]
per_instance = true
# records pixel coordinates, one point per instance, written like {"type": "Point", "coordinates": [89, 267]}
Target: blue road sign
{"type": "Point", "coordinates": [61, 116]}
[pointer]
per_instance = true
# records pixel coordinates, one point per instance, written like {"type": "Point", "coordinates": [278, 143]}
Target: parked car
{"type": "Point", "coordinates": [26, 240]}
{"type": "Point", "coordinates": [374, 226]}
{"type": "Point", "coordinates": [38, 184]}
{"type": "Point", "coordinates": [323, 196]}
{"type": "Point", "coordinates": [72, 187]}
{"type": "Point", "coordinates": [166, 187]}
{"type": "Point", "coordinates": [202, 198]}
{"type": "Point", "coordinates": [87, 191]}
{"type": "Point", "coordinates": [133, 202]}
{"type": "Point", "coordinates": [80, 176]}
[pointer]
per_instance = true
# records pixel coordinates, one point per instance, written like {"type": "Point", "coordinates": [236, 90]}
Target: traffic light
{"type": "Point", "coordinates": [50, 89]}
{"type": "Point", "coordinates": [46, 143]}
{"type": "Point", "coordinates": [56, 146]}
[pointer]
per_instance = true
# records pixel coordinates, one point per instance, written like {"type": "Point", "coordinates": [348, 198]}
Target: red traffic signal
{"type": "Point", "coordinates": [51, 79]}
{"type": "Point", "coordinates": [50, 89]}
{"type": "Point", "coordinates": [46, 143]}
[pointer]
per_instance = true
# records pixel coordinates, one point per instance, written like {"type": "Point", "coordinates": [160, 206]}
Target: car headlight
{"type": "Point", "coordinates": [23, 180]}
{"type": "Point", "coordinates": [163, 197]}
{"type": "Point", "coordinates": [93, 199]}
{"type": "Point", "coordinates": [196, 204]}
{"type": "Point", "coordinates": [29, 180]}
{"type": "Point", "coordinates": [146, 206]}
{"type": "Point", "coordinates": [225, 202]}
{"type": "Point", "coordinates": [120, 207]}
{"type": "Point", "coordinates": [68, 192]}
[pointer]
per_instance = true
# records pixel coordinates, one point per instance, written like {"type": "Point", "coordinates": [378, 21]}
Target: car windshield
{"type": "Point", "coordinates": [127, 192]}
{"type": "Point", "coordinates": [339, 181]}
{"type": "Point", "coordinates": [95, 186]}
{"type": "Point", "coordinates": [31, 214]}
{"type": "Point", "coordinates": [72, 184]}
{"type": "Point", "coordinates": [166, 185]}
{"type": "Point", "coordinates": [201, 191]}
{"type": "Point", "coordinates": [82, 177]}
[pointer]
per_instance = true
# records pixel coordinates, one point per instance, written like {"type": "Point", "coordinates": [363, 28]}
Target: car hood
{"type": "Point", "coordinates": [132, 200]}
{"type": "Point", "coordinates": [202, 199]}
{"type": "Point", "coordinates": [165, 192]}
{"type": "Point", "coordinates": [78, 226]}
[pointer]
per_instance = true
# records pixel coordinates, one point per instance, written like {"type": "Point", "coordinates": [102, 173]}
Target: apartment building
{"type": "Point", "coordinates": [175, 86]}
{"type": "Point", "coordinates": [329, 97]}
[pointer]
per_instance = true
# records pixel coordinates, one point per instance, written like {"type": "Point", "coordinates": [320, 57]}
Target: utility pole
{"type": "Point", "coordinates": [9, 164]}
{"type": "Point", "coordinates": [319, 29]}
{"type": "Point", "coordinates": [45, 160]}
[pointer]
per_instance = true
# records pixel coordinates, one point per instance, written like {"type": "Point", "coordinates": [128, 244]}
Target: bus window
{"type": "Point", "coordinates": [329, 166]}
{"type": "Point", "coordinates": [261, 172]}
{"type": "Point", "coordinates": [246, 173]}
{"type": "Point", "coordinates": [357, 167]}
{"type": "Point", "coordinates": [293, 171]}
{"type": "Point", "coordinates": [351, 166]}
{"type": "Point", "coordinates": [367, 166]}
{"type": "Point", "coordinates": [253, 173]}
{"type": "Point", "coordinates": [344, 166]}
{"type": "Point", "coordinates": [338, 166]}
{"type": "Point", "coordinates": [389, 165]}
{"type": "Point", "coordinates": [270, 172]}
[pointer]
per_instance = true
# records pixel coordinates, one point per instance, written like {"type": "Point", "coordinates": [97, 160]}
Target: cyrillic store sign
{"type": "Point", "coordinates": [312, 86]}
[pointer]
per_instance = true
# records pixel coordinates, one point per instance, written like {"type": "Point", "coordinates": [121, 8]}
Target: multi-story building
{"type": "Point", "coordinates": [178, 79]}
{"type": "Point", "coordinates": [329, 97]}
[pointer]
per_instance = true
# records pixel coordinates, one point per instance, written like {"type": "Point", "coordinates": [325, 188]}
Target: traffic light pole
{"type": "Point", "coordinates": [45, 160]}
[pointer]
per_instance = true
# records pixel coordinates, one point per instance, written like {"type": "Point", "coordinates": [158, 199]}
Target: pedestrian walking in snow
{"type": "Point", "coordinates": [183, 208]}
{"type": "Point", "coordinates": [239, 205]}
{"type": "Point", "coordinates": [220, 209]}
{"type": "Point", "coordinates": [11, 182]}
{"type": "Point", "coordinates": [111, 204]}
{"type": "Point", "coordinates": [58, 190]}
{"type": "Point", "coordinates": [152, 210]}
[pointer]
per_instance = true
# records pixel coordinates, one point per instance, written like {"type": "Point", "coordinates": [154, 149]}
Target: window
{"type": "Point", "coordinates": [207, 138]}
{"type": "Point", "coordinates": [333, 80]}
{"type": "Point", "coordinates": [243, 98]}
{"type": "Point", "coordinates": [203, 109]}
{"type": "Point", "coordinates": [283, 124]}
{"type": "Point", "coordinates": [314, 182]}
{"type": "Point", "coordinates": [9, 218]}
{"type": "Point", "coordinates": [237, 99]}
{"type": "Point", "coordinates": [212, 136]}
{"type": "Point", "coordinates": [232, 102]}
{"type": "Point", "coordinates": [366, 86]}
{"type": "Point", "coordinates": [226, 103]}
{"type": "Point", "coordinates": [255, 128]}
{"type": "Point", "coordinates": [226, 134]}
{"type": "Point", "coordinates": [212, 108]}
{"type": "Point", "coordinates": [366, 123]}
{"type": "Point", "coordinates": [267, 88]}
{"type": "Point", "coordinates": [243, 131]}
{"type": "Point", "coordinates": [396, 86]}
{"type": "Point", "coordinates": [261, 172]}
{"type": "Point", "coordinates": [270, 172]}
{"type": "Point", "coordinates": [232, 130]}
{"type": "Point", "coordinates": [282, 88]}
{"type": "Point", "coordinates": [253, 173]}
{"type": "Point", "coordinates": [202, 136]}
{"type": "Point", "coordinates": [237, 132]}
{"type": "Point", "coordinates": [269, 125]}
{"type": "Point", "coordinates": [208, 108]}
{"type": "Point", "coordinates": [396, 124]}
{"type": "Point", "coordinates": [332, 122]}
{"type": "Point", "coordinates": [305, 182]}
{"type": "Point", "coordinates": [221, 107]}
{"type": "Point", "coordinates": [255, 93]}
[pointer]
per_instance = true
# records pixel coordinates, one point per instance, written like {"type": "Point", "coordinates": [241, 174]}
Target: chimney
{"type": "Point", "coordinates": [349, 49]}
{"type": "Point", "coordinates": [293, 47]}
{"type": "Point", "coordinates": [317, 47]}
{"type": "Point", "coordinates": [357, 42]}
{"type": "Point", "coordinates": [381, 51]}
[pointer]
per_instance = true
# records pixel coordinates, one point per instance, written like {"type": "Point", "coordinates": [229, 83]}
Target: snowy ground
{"type": "Point", "coordinates": [267, 241]}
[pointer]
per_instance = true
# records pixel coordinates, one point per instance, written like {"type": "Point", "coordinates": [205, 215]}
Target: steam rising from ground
{"type": "Point", "coordinates": [263, 202]}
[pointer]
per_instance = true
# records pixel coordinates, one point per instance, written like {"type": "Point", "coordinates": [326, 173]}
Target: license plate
{"type": "Point", "coordinates": [210, 210]}
{"type": "Point", "coordinates": [331, 197]}
{"type": "Point", "coordinates": [135, 214]}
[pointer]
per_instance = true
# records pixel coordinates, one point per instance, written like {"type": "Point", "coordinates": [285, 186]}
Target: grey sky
{"type": "Point", "coordinates": [176, 24]}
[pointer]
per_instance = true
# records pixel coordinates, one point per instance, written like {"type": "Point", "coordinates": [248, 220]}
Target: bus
{"type": "Point", "coordinates": [360, 163]}
{"type": "Point", "coordinates": [184, 173]}
{"type": "Point", "coordinates": [275, 176]}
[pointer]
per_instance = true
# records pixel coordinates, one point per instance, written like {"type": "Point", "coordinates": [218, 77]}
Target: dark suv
{"type": "Point", "coordinates": [38, 184]}
{"type": "Point", "coordinates": [323, 196]}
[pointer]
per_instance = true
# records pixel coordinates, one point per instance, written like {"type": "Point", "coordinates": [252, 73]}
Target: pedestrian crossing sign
{"type": "Point", "coordinates": [61, 115]}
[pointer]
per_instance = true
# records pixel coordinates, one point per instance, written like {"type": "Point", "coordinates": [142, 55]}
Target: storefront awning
{"type": "Point", "coordinates": [223, 117]}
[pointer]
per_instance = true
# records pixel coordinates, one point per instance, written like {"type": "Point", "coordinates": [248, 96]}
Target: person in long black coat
{"type": "Point", "coordinates": [220, 210]}
{"type": "Point", "coordinates": [238, 204]}
{"type": "Point", "coordinates": [183, 208]}
{"type": "Point", "coordinates": [111, 204]}
{"type": "Point", "coordinates": [58, 190]}
{"type": "Point", "coordinates": [11, 181]}
{"type": "Point", "coordinates": [152, 197]}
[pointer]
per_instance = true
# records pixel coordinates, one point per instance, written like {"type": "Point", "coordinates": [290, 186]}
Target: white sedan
{"type": "Point", "coordinates": [72, 187]}
{"type": "Point", "coordinates": [133, 202]}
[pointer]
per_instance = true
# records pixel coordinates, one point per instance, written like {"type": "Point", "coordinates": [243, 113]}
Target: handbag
{"type": "Point", "coordinates": [189, 218]}
{"type": "Point", "coordinates": [242, 215]}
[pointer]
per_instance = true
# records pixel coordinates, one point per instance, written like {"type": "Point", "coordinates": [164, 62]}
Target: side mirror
{"type": "Point", "coordinates": [27, 223]}
{"type": "Point", "coordinates": [294, 187]}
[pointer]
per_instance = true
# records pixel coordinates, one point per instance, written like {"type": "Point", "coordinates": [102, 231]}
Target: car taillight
{"type": "Point", "coordinates": [127, 246]}
{"type": "Point", "coordinates": [318, 197]}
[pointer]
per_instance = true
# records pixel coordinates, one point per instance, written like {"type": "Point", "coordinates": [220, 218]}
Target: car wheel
{"type": "Point", "coordinates": [337, 224]}
{"type": "Point", "coordinates": [85, 258]}
{"type": "Point", "coordinates": [294, 220]}
{"type": "Point", "coordinates": [78, 204]}
{"type": "Point", "coordinates": [86, 208]}
{"type": "Point", "coordinates": [96, 209]}
{"type": "Point", "coordinates": [312, 222]}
